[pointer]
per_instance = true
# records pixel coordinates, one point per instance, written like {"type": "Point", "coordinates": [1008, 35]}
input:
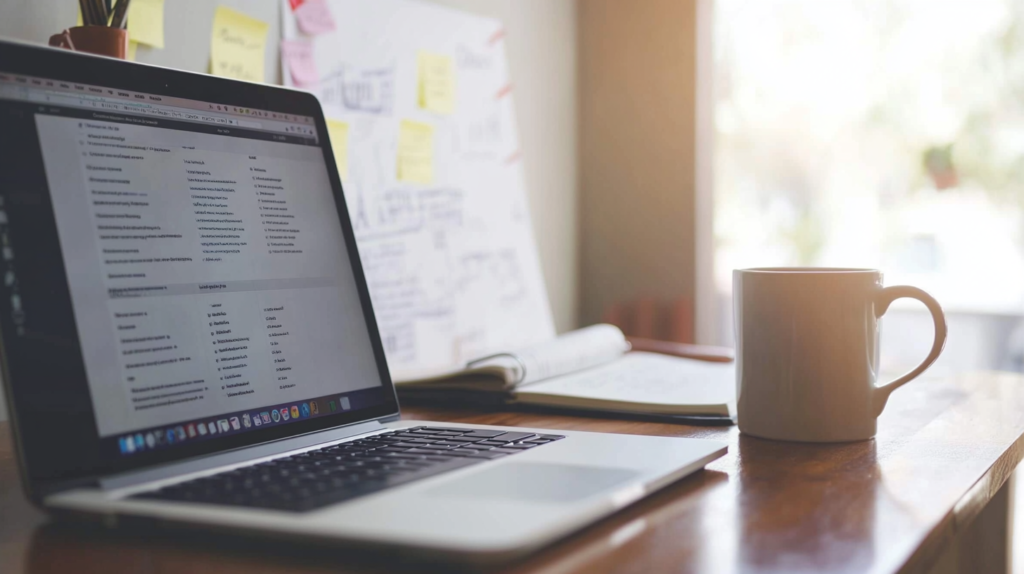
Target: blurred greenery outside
{"type": "Point", "coordinates": [874, 133]}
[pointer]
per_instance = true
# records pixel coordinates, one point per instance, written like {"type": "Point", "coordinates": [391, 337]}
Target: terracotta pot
{"type": "Point", "coordinates": [101, 40]}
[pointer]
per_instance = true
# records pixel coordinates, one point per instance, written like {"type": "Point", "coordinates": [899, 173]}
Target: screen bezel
{"type": "Point", "coordinates": [67, 66]}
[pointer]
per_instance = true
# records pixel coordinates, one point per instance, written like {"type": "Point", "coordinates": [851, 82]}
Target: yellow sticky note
{"type": "Point", "coordinates": [435, 90]}
{"type": "Point", "coordinates": [146, 22]}
{"type": "Point", "coordinates": [415, 152]}
{"type": "Point", "coordinates": [238, 46]}
{"type": "Point", "coordinates": [338, 132]}
{"type": "Point", "coordinates": [81, 22]}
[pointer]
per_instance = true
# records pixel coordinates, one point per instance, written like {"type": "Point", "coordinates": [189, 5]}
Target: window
{"type": "Point", "coordinates": [884, 134]}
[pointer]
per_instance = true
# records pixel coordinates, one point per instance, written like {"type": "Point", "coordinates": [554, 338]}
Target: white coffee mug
{"type": "Point", "coordinates": [807, 351]}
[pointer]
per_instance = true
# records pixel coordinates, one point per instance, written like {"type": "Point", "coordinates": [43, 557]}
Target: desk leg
{"type": "Point", "coordinates": [986, 545]}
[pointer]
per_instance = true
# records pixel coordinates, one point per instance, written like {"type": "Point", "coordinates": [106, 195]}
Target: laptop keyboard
{"type": "Point", "coordinates": [318, 478]}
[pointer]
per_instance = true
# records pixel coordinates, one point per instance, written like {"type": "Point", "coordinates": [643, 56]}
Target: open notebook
{"type": "Point", "coordinates": [589, 369]}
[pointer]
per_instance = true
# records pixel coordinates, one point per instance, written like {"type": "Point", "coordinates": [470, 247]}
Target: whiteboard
{"type": "Point", "coordinates": [452, 265]}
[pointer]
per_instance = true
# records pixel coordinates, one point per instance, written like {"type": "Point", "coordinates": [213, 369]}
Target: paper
{"type": "Point", "coordinates": [338, 132]}
{"type": "Point", "coordinates": [451, 265]}
{"type": "Point", "coordinates": [146, 22]}
{"type": "Point", "coordinates": [298, 58]}
{"type": "Point", "coordinates": [237, 46]}
{"type": "Point", "coordinates": [314, 17]}
{"type": "Point", "coordinates": [356, 89]}
{"type": "Point", "coordinates": [416, 152]}
{"type": "Point", "coordinates": [648, 378]}
{"type": "Point", "coordinates": [435, 90]}
{"type": "Point", "coordinates": [572, 352]}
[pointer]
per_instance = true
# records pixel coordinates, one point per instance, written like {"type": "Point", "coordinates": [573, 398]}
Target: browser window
{"type": "Point", "coordinates": [207, 267]}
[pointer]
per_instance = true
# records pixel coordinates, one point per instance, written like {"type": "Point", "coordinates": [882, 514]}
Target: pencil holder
{"type": "Point", "coordinates": [102, 40]}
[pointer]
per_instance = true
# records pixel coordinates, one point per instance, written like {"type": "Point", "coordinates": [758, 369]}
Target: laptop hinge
{"type": "Point", "coordinates": [236, 456]}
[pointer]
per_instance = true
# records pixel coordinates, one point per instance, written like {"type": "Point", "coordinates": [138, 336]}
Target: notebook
{"type": "Point", "coordinates": [591, 369]}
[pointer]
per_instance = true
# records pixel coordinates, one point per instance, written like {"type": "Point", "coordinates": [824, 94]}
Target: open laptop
{"type": "Point", "coordinates": [188, 338]}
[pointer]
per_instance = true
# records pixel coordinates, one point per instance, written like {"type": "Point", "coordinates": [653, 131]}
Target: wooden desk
{"type": "Point", "coordinates": [927, 494]}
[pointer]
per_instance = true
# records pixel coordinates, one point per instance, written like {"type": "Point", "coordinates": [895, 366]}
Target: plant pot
{"type": "Point", "coordinates": [102, 40]}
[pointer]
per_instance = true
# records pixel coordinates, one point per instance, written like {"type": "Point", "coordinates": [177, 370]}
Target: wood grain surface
{"type": "Point", "coordinates": [944, 449]}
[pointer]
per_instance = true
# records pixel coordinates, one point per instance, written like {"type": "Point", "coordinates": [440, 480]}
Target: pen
{"type": "Point", "coordinates": [120, 12]}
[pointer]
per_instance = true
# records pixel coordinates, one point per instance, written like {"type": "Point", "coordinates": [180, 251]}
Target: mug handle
{"type": "Point", "coordinates": [885, 298]}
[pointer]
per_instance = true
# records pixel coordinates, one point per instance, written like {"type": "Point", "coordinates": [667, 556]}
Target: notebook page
{"type": "Point", "coordinates": [647, 378]}
{"type": "Point", "coordinates": [574, 351]}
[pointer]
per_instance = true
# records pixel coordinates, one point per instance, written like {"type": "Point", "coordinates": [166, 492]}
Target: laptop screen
{"type": "Point", "coordinates": [211, 287]}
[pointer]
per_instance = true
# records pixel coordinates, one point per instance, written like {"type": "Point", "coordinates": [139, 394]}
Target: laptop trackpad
{"type": "Point", "coordinates": [535, 482]}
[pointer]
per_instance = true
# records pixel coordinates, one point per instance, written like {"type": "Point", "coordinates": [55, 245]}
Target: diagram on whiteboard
{"type": "Point", "coordinates": [423, 126]}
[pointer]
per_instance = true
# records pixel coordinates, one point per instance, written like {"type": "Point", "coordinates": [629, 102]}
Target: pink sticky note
{"type": "Point", "coordinates": [314, 17]}
{"type": "Point", "coordinates": [301, 64]}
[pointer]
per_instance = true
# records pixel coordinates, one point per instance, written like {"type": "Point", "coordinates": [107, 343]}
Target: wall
{"type": "Point", "coordinates": [638, 151]}
{"type": "Point", "coordinates": [541, 44]}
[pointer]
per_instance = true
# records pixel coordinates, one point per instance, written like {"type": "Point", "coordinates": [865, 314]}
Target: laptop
{"type": "Point", "coordinates": [188, 338]}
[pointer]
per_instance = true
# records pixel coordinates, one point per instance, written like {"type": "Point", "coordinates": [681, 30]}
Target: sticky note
{"type": "Point", "coordinates": [146, 22]}
{"type": "Point", "coordinates": [314, 17]}
{"type": "Point", "coordinates": [238, 45]}
{"type": "Point", "coordinates": [338, 132]}
{"type": "Point", "coordinates": [298, 58]}
{"type": "Point", "coordinates": [415, 152]}
{"type": "Point", "coordinates": [435, 90]}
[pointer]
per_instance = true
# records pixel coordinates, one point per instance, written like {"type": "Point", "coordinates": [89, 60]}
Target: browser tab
{"type": "Point", "coordinates": [113, 99]}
